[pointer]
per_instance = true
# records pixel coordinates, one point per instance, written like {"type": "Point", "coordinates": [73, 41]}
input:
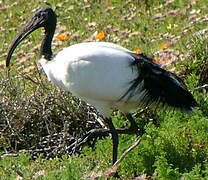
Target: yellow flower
{"type": "Point", "coordinates": [100, 36]}
{"type": "Point", "coordinates": [171, 26]}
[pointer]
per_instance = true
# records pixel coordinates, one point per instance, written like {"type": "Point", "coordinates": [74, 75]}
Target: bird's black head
{"type": "Point", "coordinates": [45, 18]}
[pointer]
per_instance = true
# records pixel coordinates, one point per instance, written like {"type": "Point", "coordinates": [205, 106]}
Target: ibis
{"type": "Point", "coordinates": [106, 75]}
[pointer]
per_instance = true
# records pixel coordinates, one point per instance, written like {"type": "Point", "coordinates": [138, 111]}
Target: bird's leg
{"type": "Point", "coordinates": [133, 124]}
{"type": "Point", "coordinates": [102, 132]}
{"type": "Point", "coordinates": [114, 138]}
{"type": "Point", "coordinates": [94, 133]}
{"type": "Point", "coordinates": [133, 129]}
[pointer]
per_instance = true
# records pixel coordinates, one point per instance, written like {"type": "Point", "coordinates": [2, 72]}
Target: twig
{"type": "Point", "coordinates": [126, 152]}
{"type": "Point", "coordinates": [8, 155]}
{"type": "Point", "coordinates": [140, 112]}
{"type": "Point", "coordinates": [112, 171]}
{"type": "Point", "coordinates": [201, 87]}
{"type": "Point", "coordinates": [14, 154]}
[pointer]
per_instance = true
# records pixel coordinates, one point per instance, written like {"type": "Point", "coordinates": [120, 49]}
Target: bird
{"type": "Point", "coordinates": [106, 75]}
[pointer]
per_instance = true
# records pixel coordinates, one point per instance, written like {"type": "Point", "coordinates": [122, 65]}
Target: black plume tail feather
{"type": "Point", "coordinates": [154, 85]}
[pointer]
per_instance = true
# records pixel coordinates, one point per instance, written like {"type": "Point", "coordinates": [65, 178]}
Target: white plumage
{"type": "Point", "coordinates": [96, 72]}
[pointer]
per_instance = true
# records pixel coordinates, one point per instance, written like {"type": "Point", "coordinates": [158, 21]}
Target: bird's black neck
{"type": "Point", "coordinates": [45, 49]}
{"type": "Point", "coordinates": [49, 26]}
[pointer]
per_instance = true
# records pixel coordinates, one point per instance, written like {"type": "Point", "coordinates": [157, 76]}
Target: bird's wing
{"type": "Point", "coordinates": [159, 86]}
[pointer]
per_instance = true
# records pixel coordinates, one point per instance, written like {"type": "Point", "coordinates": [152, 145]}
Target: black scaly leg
{"type": "Point", "coordinates": [100, 132]}
{"type": "Point", "coordinates": [114, 138]}
{"type": "Point", "coordinates": [133, 124]}
{"type": "Point", "coordinates": [95, 133]}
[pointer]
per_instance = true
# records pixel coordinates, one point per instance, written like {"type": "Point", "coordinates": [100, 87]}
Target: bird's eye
{"type": "Point", "coordinates": [44, 15]}
{"type": "Point", "coordinates": [40, 15]}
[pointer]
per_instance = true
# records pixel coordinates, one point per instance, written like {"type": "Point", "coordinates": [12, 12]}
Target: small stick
{"type": "Point", "coordinates": [112, 172]}
{"type": "Point", "coordinates": [201, 87]}
{"type": "Point", "coordinates": [127, 151]}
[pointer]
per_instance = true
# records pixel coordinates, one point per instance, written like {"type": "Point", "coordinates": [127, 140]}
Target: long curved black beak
{"type": "Point", "coordinates": [34, 24]}
{"type": "Point", "coordinates": [15, 43]}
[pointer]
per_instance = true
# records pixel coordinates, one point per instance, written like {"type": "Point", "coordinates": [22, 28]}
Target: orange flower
{"type": "Point", "coordinates": [137, 51]}
{"type": "Point", "coordinates": [62, 37]}
{"type": "Point", "coordinates": [164, 46]}
{"type": "Point", "coordinates": [100, 36]}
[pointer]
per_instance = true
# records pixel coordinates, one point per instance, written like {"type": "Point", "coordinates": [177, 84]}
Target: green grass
{"type": "Point", "coordinates": [176, 149]}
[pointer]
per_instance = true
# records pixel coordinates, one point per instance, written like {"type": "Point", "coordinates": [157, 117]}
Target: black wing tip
{"type": "Point", "coordinates": [190, 106]}
{"type": "Point", "coordinates": [161, 87]}
{"type": "Point", "coordinates": [178, 98]}
{"type": "Point", "coordinates": [186, 105]}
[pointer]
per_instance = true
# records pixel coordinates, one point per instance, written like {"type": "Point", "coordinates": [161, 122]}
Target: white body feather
{"type": "Point", "coordinates": [97, 72]}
